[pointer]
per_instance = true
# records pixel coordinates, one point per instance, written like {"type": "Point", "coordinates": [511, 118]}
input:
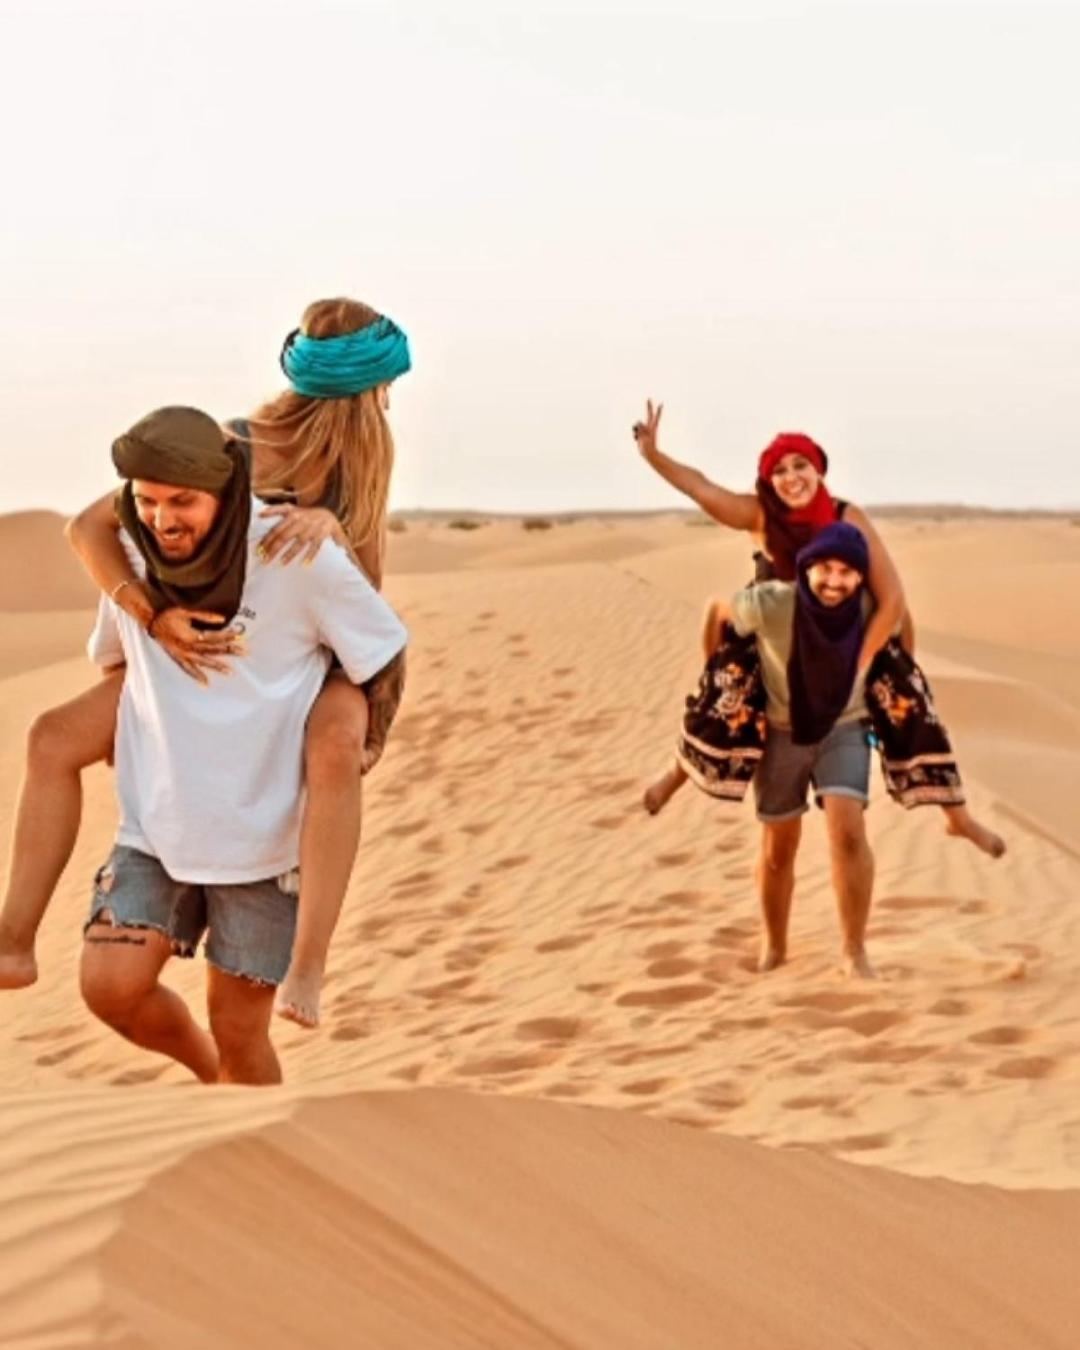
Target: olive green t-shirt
{"type": "Point", "coordinates": [767, 609]}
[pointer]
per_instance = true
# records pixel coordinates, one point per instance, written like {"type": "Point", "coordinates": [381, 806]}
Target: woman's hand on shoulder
{"type": "Point", "coordinates": [301, 531]}
{"type": "Point", "coordinates": [195, 650]}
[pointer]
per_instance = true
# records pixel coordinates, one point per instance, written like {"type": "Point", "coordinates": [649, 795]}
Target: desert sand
{"type": "Point", "coordinates": [551, 1105]}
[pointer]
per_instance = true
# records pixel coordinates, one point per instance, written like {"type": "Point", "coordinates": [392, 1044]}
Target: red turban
{"type": "Point", "coordinates": [791, 443]}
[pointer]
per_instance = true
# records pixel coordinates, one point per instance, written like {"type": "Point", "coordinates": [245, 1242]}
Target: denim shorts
{"type": "Point", "coordinates": [838, 766]}
{"type": "Point", "coordinates": [250, 926]}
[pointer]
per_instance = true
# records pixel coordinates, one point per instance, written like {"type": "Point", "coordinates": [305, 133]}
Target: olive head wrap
{"type": "Point", "coordinates": [184, 447]}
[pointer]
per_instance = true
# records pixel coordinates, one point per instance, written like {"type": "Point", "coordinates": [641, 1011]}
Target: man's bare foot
{"type": "Point", "coordinates": [660, 792]}
{"type": "Point", "coordinates": [298, 997]}
{"type": "Point", "coordinates": [18, 965]}
{"type": "Point", "coordinates": [965, 826]}
{"type": "Point", "coordinates": [856, 965]}
{"type": "Point", "coordinates": [770, 958]}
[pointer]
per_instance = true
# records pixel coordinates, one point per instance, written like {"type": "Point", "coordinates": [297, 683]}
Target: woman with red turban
{"type": "Point", "coordinates": [721, 736]}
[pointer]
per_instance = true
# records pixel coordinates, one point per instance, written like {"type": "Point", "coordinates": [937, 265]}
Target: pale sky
{"type": "Point", "coordinates": [857, 220]}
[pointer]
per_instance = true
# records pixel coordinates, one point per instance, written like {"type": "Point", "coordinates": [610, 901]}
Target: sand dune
{"type": "Point", "coordinates": [592, 1229]}
{"type": "Point", "coordinates": [40, 572]}
{"type": "Point", "coordinates": [518, 928]}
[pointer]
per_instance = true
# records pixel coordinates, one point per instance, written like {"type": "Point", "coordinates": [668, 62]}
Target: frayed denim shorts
{"type": "Point", "coordinates": [249, 926]}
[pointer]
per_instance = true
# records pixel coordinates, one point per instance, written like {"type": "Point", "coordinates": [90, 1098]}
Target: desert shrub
{"type": "Point", "coordinates": [536, 523]}
{"type": "Point", "coordinates": [465, 523]}
{"type": "Point", "coordinates": [396, 525]}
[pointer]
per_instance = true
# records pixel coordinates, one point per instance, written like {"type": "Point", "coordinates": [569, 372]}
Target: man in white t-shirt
{"type": "Point", "coordinates": [210, 778]}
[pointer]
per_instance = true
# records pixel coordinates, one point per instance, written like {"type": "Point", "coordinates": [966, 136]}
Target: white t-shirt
{"type": "Point", "coordinates": [210, 778]}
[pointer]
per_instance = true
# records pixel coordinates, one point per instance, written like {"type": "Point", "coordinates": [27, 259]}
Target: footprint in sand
{"type": "Point", "coordinates": [622, 1055]}
{"type": "Point", "coordinates": [721, 1097]}
{"type": "Point", "coordinates": [739, 874]}
{"type": "Point", "coordinates": [562, 672]}
{"type": "Point", "coordinates": [659, 950]}
{"type": "Point", "coordinates": [732, 935]}
{"type": "Point", "coordinates": [906, 902]}
{"type": "Point", "coordinates": [889, 1054]}
{"type": "Point", "coordinates": [811, 1102]}
{"type": "Point", "coordinates": [132, 1077]}
{"type": "Point", "coordinates": [646, 1087]}
{"type": "Point", "coordinates": [500, 1065]}
{"type": "Point", "coordinates": [670, 968]}
{"type": "Point", "coordinates": [609, 822]}
{"type": "Point", "coordinates": [48, 1034]}
{"type": "Point", "coordinates": [563, 944]}
{"type": "Point", "coordinates": [446, 987]}
{"type": "Point", "coordinates": [860, 1143]}
{"type": "Point", "coordinates": [1001, 1036]}
{"type": "Point", "coordinates": [55, 1057]}
{"type": "Point", "coordinates": [827, 1000]}
{"type": "Point", "coordinates": [476, 828]}
{"type": "Point", "coordinates": [349, 1031]}
{"type": "Point", "coordinates": [670, 995]}
{"type": "Point", "coordinates": [1034, 1066]}
{"type": "Point", "coordinates": [507, 864]}
{"type": "Point", "coordinates": [673, 859]}
{"type": "Point", "coordinates": [560, 1029]}
{"type": "Point", "coordinates": [949, 1007]}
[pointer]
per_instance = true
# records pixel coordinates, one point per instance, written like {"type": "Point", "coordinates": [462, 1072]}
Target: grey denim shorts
{"type": "Point", "coordinates": [838, 766]}
{"type": "Point", "coordinates": [250, 926]}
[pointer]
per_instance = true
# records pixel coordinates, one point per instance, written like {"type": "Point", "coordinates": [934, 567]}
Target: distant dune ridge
{"type": "Point", "coordinates": [521, 941]}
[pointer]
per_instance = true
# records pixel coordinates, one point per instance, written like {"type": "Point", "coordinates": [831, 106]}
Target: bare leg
{"type": "Point", "coordinates": [661, 790]}
{"type": "Point", "coordinates": [240, 1022]}
{"type": "Point", "coordinates": [853, 878]}
{"type": "Point", "coordinates": [776, 885]}
{"type": "Point", "coordinates": [329, 838]}
{"type": "Point", "coordinates": [119, 980]}
{"type": "Point", "coordinates": [960, 822]}
{"type": "Point", "coordinates": [61, 743]}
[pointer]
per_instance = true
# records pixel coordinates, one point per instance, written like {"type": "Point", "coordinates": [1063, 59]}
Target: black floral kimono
{"type": "Point", "coordinates": [724, 727]}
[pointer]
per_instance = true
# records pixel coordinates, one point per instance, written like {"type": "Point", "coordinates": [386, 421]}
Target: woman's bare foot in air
{"type": "Point", "coordinates": [856, 965]}
{"type": "Point", "coordinates": [771, 957]}
{"type": "Point", "coordinates": [962, 824]}
{"type": "Point", "coordinates": [660, 792]}
{"type": "Point", "coordinates": [298, 997]}
{"type": "Point", "coordinates": [18, 964]}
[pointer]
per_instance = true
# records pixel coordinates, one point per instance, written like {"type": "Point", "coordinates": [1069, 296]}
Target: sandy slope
{"type": "Point", "coordinates": [517, 927]}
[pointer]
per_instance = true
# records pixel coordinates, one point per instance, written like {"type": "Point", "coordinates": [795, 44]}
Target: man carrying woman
{"type": "Point", "coordinates": [323, 451]}
{"type": "Point", "coordinates": [210, 780]}
{"type": "Point", "coordinates": [788, 508]}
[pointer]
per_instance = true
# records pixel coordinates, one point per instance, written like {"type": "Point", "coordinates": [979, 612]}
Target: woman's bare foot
{"type": "Point", "coordinates": [856, 965]}
{"type": "Point", "coordinates": [963, 825]}
{"type": "Point", "coordinates": [660, 792]}
{"type": "Point", "coordinates": [18, 964]}
{"type": "Point", "coordinates": [298, 997]}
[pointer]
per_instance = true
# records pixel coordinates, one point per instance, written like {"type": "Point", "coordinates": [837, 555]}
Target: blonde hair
{"type": "Point", "coordinates": [347, 439]}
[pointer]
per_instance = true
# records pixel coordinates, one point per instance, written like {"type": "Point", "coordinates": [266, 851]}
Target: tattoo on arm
{"type": "Point", "coordinates": [383, 692]}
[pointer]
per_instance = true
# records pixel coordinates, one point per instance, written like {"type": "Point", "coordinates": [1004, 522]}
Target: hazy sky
{"type": "Point", "coordinates": [858, 220]}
